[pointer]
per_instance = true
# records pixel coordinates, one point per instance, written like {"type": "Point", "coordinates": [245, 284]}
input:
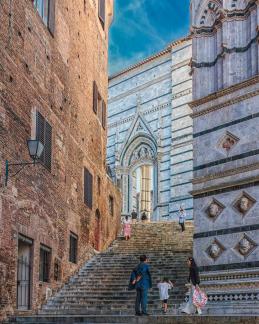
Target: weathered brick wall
{"type": "Point", "coordinates": [53, 75]}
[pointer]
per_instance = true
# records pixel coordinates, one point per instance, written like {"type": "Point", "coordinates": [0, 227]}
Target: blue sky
{"type": "Point", "coordinates": [144, 27]}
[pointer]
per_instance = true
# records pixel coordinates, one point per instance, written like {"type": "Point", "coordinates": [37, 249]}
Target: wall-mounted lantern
{"type": "Point", "coordinates": [35, 148]}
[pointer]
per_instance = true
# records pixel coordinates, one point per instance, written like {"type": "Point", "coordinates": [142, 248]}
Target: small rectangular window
{"type": "Point", "coordinates": [88, 188]}
{"type": "Point", "coordinates": [95, 97]}
{"type": "Point", "coordinates": [73, 248]}
{"type": "Point", "coordinates": [45, 260]}
{"type": "Point", "coordinates": [99, 185]}
{"type": "Point", "coordinates": [111, 205]}
{"type": "Point", "coordinates": [102, 12]}
{"type": "Point", "coordinates": [44, 134]}
{"type": "Point", "coordinates": [46, 9]}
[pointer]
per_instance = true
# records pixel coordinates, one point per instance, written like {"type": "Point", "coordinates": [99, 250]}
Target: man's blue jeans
{"type": "Point", "coordinates": [141, 300]}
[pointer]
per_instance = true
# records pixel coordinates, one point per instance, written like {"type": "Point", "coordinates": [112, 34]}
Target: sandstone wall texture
{"type": "Point", "coordinates": [52, 73]}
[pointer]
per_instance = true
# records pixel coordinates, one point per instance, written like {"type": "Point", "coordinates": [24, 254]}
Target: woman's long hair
{"type": "Point", "coordinates": [193, 263]}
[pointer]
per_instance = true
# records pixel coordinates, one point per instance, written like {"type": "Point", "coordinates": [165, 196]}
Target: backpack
{"type": "Point", "coordinates": [134, 278]}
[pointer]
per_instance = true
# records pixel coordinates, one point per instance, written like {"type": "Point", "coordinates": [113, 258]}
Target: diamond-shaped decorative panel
{"type": "Point", "coordinates": [228, 142]}
{"type": "Point", "coordinates": [245, 246]}
{"type": "Point", "coordinates": [214, 209]}
{"type": "Point", "coordinates": [244, 203]}
{"type": "Point", "coordinates": [215, 249]}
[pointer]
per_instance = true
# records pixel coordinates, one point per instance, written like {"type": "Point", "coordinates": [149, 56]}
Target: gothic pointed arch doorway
{"type": "Point", "coordinates": [138, 176]}
{"type": "Point", "coordinates": [97, 230]}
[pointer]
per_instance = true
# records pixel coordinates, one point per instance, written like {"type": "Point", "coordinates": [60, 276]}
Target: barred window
{"type": "Point", "coordinates": [73, 248]}
{"type": "Point", "coordinates": [46, 9]}
{"type": "Point", "coordinates": [45, 260]}
{"type": "Point", "coordinates": [44, 135]}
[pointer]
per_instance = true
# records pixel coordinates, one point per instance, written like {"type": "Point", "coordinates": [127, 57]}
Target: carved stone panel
{"type": "Point", "coordinates": [215, 250]}
{"type": "Point", "coordinates": [214, 209]}
{"type": "Point", "coordinates": [244, 203]}
{"type": "Point", "coordinates": [228, 142]}
{"type": "Point", "coordinates": [245, 246]}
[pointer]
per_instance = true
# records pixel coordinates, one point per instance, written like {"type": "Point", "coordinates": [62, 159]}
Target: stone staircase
{"type": "Point", "coordinates": [98, 292]}
{"type": "Point", "coordinates": [100, 287]}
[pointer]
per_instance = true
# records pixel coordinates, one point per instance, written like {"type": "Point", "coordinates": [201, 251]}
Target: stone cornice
{"type": "Point", "coordinates": [168, 49]}
{"type": "Point", "coordinates": [146, 112]}
{"type": "Point", "coordinates": [225, 104]}
{"type": "Point", "coordinates": [182, 93]}
{"type": "Point", "coordinates": [224, 92]}
{"type": "Point", "coordinates": [227, 173]}
{"type": "Point", "coordinates": [224, 186]}
{"type": "Point", "coordinates": [180, 65]}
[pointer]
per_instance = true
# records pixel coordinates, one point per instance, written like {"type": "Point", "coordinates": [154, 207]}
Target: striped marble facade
{"type": "Point", "coordinates": [148, 112]}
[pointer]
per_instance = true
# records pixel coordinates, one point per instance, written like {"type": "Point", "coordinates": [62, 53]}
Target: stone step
{"type": "Point", "coordinates": [157, 319]}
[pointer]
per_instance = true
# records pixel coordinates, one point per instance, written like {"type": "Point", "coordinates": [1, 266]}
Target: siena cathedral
{"type": "Point", "coordinates": [183, 131]}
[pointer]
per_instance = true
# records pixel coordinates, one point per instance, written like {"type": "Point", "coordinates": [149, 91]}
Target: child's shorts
{"type": "Point", "coordinates": [165, 301]}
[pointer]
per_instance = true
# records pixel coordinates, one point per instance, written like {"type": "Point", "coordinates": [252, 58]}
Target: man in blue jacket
{"type": "Point", "coordinates": [143, 282]}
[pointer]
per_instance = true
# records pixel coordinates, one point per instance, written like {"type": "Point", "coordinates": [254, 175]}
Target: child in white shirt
{"type": "Point", "coordinates": [163, 287]}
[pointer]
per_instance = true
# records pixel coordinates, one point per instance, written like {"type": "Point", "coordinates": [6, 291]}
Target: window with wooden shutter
{"type": "Point", "coordinates": [73, 248]}
{"type": "Point", "coordinates": [102, 12]}
{"type": "Point", "coordinates": [44, 135]}
{"type": "Point", "coordinates": [46, 9]}
{"type": "Point", "coordinates": [103, 115]}
{"type": "Point", "coordinates": [88, 188]}
{"type": "Point", "coordinates": [45, 260]}
{"type": "Point", "coordinates": [95, 97]}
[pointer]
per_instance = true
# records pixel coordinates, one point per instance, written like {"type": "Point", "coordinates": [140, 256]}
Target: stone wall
{"type": "Point", "coordinates": [148, 106]}
{"type": "Point", "coordinates": [225, 184]}
{"type": "Point", "coordinates": [53, 75]}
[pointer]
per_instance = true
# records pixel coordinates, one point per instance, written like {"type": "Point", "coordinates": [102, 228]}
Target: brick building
{"type": "Point", "coordinates": [53, 87]}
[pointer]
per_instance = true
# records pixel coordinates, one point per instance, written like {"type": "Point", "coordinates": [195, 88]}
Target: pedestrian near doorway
{"type": "Point", "coordinates": [127, 228]}
{"type": "Point", "coordinates": [182, 217]}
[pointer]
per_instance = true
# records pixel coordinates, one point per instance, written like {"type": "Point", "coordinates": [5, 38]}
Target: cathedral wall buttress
{"type": "Point", "coordinates": [225, 38]}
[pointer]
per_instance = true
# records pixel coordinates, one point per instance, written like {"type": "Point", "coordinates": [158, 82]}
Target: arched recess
{"type": "Point", "coordinates": [140, 153]}
{"type": "Point", "coordinates": [97, 230]}
{"type": "Point", "coordinates": [207, 13]}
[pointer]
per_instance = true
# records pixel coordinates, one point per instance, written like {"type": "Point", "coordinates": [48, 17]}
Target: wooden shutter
{"type": "Point", "coordinates": [103, 114]}
{"type": "Point", "coordinates": [95, 97]}
{"type": "Point", "coordinates": [44, 135]}
{"type": "Point", "coordinates": [48, 145]}
{"type": "Point", "coordinates": [51, 23]}
{"type": "Point", "coordinates": [88, 188]}
{"type": "Point", "coordinates": [40, 132]}
{"type": "Point", "coordinates": [73, 248]}
{"type": "Point", "coordinates": [102, 12]}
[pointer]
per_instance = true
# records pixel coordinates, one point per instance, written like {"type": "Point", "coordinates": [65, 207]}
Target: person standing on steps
{"type": "Point", "coordinates": [134, 216]}
{"type": "Point", "coordinates": [194, 280]}
{"type": "Point", "coordinates": [127, 228]}
{"type": "Point", "coordinates": [163, 286]}
{"type": "Point", "coordinates": [143, 282]}
{"type": "Point", "coordinates": [182, 216]}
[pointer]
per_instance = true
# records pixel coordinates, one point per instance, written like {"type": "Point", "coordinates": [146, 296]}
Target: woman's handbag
{"type": "Point", "coordinates": [199, 298]}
